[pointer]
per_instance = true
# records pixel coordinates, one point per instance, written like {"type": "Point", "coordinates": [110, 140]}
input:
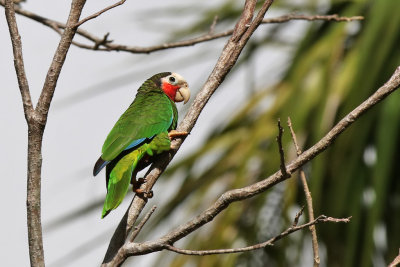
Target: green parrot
{"type": "Point", "coordinates": [143, 131]}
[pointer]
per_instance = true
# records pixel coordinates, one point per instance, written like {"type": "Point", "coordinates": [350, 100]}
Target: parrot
{"type": "Point", "coordinates": [143, 131]}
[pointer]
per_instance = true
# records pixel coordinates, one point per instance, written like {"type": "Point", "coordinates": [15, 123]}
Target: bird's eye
{"type": "Point", "coordinates": [172, 79]}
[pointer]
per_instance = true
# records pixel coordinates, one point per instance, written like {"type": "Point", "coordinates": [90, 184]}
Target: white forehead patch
{"type": "Point", "coordinates": [178, 77]}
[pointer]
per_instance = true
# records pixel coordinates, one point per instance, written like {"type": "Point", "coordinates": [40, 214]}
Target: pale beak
{"type": "Point", "coordinates": [183, 94]}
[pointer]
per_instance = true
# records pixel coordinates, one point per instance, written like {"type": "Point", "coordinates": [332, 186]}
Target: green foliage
{"type": "Point", "coordinates": [335, 67]}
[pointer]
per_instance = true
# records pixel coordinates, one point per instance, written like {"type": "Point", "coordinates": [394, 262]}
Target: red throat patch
{"type": "Point", "coordinates": [170, 90]}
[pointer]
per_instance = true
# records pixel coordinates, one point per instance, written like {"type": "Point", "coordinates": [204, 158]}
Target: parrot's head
{"type": "Point", "coordinates": [175, 87]}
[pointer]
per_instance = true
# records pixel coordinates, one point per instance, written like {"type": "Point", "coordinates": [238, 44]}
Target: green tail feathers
{"type": "Point", "coordinates": [121, 174]}
{"type": "Point", "coordinates": [119, 180]}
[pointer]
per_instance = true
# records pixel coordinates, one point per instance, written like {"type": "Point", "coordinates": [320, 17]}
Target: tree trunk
{"type": "Point", "coordinates": [35, 135]}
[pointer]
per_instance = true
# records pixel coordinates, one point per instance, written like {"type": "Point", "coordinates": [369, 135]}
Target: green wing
{"type": "Point", "coordinates": [120, 176]}
{"type": "Point", "coordinates": [150, 114]}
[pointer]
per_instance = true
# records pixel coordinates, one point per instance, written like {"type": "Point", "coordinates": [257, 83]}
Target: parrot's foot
{"type": "Point", "coordinates": [136, 184]}
{"type": "Point", "coordinates": [141, 181]}
{"type": "Point", "coordinates": [174, 134]}
{"type": "Point", "coordinates": [139, 191]}
{"type": "Point", "coordinates": [143, 193]}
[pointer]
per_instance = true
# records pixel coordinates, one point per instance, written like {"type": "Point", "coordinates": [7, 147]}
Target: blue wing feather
{"type": "Point", "coordinates": [135, 143]}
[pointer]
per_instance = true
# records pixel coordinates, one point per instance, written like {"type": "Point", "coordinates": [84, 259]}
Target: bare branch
{"type": "Point", "coordinates": [297, 217]}
{"type": "Point", "coordinates": [141, 224]}
{"type": "Point", "coordinates": [270, 242]}
{"type": "Point", "coordinates": [206, 37]}
{"type": "Point", "coordinates": [109, 46]}
{"type": "Point", "coordinates": [18, 59]}
{"type": "Point", "coordinates": [102, 42]}
{"type": "Point", "coordinates": [294, 138]}
{"type": "Point", "coordinates": [281, 152]}
{"type": "Point", "coordinates": [95, 15]}
{"type": "Point", "coordinates": [212, 27]}
{"type": "Point", "coordinates": [334, 17]}
{"type": "Point", "coordinates": [308, 199]}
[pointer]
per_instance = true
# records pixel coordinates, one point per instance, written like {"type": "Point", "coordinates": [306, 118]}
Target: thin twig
{"type": "Point", "coordinates": [281, 152]}
{"type": "Point", "coordinates": [213, 24]}
{"type": "Point", "coordinates": [308, 199]}
{"type": "Point", "coordinates": [141, 224]}
{"type": "Point", "coordinates": [333, 17]}
{"type": "Point", "coordinates": [297, 217]}
{"type": "Point", "coordinates": [294, 138]}
{"type": "Point", "coordinates": [396, 261]}
{"type": "Point", "coordinates": [270, 242]}
{"type": "Point", "coordinates": [95, 15]}
{"type": "Point", "coordinates": [102, 42]}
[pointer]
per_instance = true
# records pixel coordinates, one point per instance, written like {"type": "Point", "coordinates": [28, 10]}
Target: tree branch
{"type": "Point", "coordinates": [18, 59]}
{"type": "Point", "coordinates": [308, 199]}
{"type": "Point", "coordinates": [281, 152]}
{"type": "Point", "coordinates": [109, 46]}
{"type": "Point", "coordinates": [206, 37]}
{"type": "Point", "coordinates": [141, 224]}
{"type": "Point", "coordinates": [270, 242]}
{"type": "Point", "coordinates": [95, 15]}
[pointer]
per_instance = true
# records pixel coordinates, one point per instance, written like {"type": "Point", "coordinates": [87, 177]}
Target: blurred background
{"type": "Point", "coordinates": [314, 72]}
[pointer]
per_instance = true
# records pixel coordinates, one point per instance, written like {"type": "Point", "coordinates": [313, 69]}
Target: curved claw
{"type": "Point", "coordinates": [173, 147]}
{"type": "Point", "coordinates": [149, 194]}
